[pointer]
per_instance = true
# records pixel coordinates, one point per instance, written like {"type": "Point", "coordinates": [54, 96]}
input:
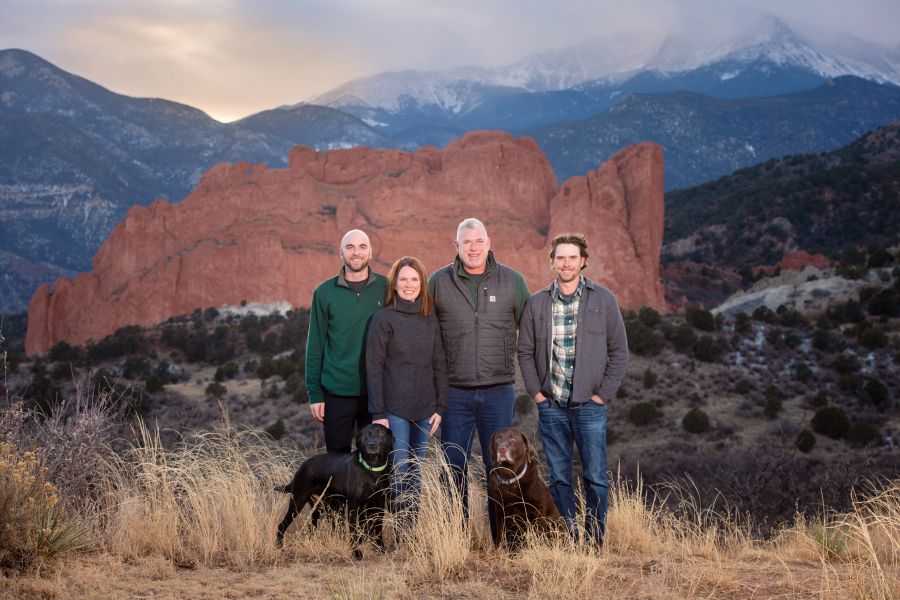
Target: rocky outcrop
{"type": "Point", "coordinates": [252, 233]}
{"type": "Point", "coordinates": [799, 260]}
{"type": "Point", "coordinates": [810, 291]}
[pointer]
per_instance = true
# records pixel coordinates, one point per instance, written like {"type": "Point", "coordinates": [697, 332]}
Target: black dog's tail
{"type": "Point", "coordinates": [283, 488]}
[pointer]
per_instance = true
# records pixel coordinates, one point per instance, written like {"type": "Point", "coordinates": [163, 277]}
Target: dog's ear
{"type": "Point", "coordinates": [493, 446]}
{"type": "Point", "coordinates": [530, 452]}
{"type": "Point", "coordinates": [359, 438]}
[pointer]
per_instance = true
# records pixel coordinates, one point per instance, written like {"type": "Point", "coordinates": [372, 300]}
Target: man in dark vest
{"type": "Point", "coordinates": [573, 353]}
{"type": "Point", "coordinates": [478, 303]}
{"type": "Point", "coordinates": [340, 312]}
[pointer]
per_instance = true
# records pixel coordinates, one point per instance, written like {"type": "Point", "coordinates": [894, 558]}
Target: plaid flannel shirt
{"type": "Point", "coordinates": [565, 324]}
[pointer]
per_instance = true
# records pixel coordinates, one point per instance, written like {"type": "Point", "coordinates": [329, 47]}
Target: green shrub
{"type": "Point", "coordinates": [266, 368]}
{"type": "Point", "coordinates": [742, 323]}
{"type": "Point", "coordinates": [65, 352]}
{"type": "Point", "coordinates": [743, 387]}
{"type": "Point", "coordinates": [642, 414]}
{"type": "Point", "coordinates": [879, 257]}
{"type": "Point", "coordinates": [227, 371]}
{"type": "Point", "coordinates": [851, 271]}
{"type": "Point", "coordinates": [136, 367]}
{"type": "Point", "coordinates": [789, 317]}
{"type": "Point", "coordinates": [885, 302]}
{"type": "Point", "coordinates": [277, 429]}
{"type": "Point", "coordinates": [649, 379]}
{"type": "Point", "coordinates": [764, 313]}
{"type": "Point", "coordinates": [125, 341]}
{"type": "Point", "coordinates": [862, 433]}
{"type": "Point", "coordinates": [649, 317]}
{"type": "Point", "coordinates": [773, 403]}
{"type": "Point", "coordinates": [819, 400]}
{"type": "Point", "coordinates": [708, 349]}
{"type": "Point", "coordinates": [642, 340]}
{"type": "Point", "coordinates": [695, 421]}
{"type": "Point", "coordinates": [215, 390]}
{"type": "Point", "coordinates": [871, 337]}
{"type": "Point", "coordinates": [154, 383]}
{"type": "Point", "coordinates": [700, 318]}
{"type": "Point", "coordinates": [805, 441]}
{"type": "Point", "coordinates": [850, 383]}
{"type": "Point", "coordinates": [684, 338]}
{"type": "Point", "coordinates": [875, 393]}
{"type": "Point", "coordinates": [826, 341]}
{"type": "Point", "coordinates": [803, 373]}
{"type": "Point", "coordinates": [845, 364]}
{"type": "Point", "coordinates": [831, 421]}
{"type": "Point", "coordinates": [849, 312]}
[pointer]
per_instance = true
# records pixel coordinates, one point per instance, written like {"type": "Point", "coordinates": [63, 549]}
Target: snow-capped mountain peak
{"type": "Point", "coordinates": [615, 58]}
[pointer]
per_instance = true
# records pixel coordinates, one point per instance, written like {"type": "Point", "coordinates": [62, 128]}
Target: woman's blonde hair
{"type": "Point", "coordinates": [394, 274]}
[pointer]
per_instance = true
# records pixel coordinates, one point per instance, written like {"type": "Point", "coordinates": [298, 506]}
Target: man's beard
{"type": "Point", "coordinates": [365, 264]}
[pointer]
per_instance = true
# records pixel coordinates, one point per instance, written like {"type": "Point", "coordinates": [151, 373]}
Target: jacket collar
{"type": "Point", "coordinates": [461, 271]}
{"type": "Point", "coordinates": [342, 279]}
{"type": "Point", "coordinates": [588, 284]}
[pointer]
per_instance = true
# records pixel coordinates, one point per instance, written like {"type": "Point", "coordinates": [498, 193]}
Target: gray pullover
{"type": "Point", "coordinates": [406, 368]}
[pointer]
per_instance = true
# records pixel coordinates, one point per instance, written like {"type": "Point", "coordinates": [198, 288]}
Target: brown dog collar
{"type": "Point", "coordinates": [514, 479]}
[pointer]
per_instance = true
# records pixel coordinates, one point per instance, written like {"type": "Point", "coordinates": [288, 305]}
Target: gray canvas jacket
{"type": "Point", "coordinates": [601, 348]}
{"type": "Point", "coordinates": [479, 334]}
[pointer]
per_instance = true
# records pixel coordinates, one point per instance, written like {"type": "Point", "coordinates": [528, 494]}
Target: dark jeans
{"type": "Point", "coordinates": [410, 446]}
{"type": "Point", "coordinates": [487, 409]}
{"type": "Point", "coordinates": [585, 424]}
{"type": "Point", "coordinates": [341, 414]}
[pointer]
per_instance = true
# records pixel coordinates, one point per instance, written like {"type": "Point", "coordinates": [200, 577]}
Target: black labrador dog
{"type": "Point", "coordinates": [363, 477]}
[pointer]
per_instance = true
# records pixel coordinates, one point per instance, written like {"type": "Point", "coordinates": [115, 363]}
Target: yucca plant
{"type": "Point", "coordinates": [33, 525]}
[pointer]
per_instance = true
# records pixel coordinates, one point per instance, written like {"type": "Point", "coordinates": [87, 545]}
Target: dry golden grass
{"type": "Point", "coordinates": [198, 521]}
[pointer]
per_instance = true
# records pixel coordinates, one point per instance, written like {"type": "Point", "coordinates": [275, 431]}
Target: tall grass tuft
{"type": "Point", "coordinates": [210, 500]}
{"type": "Point", "coordinates": [872, 540]}
{"type": "Point", "coordinates": [434, 537]}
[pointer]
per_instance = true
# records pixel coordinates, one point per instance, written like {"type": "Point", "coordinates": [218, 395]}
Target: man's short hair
{"type": "Point", "coordinates": [570, 238]}
{"type": "Point", "coordinates": [471, 223]}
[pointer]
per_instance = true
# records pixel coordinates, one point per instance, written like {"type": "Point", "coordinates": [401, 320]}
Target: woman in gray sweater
{"type": "Point", "coordinates": [406, 371]}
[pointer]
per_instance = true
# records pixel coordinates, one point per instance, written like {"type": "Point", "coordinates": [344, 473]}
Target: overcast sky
{"type": "Point", "coordinates": [232, 58]}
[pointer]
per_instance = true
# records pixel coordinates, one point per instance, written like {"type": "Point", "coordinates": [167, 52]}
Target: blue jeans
{"type": "Point", "coordinates": [586, 425]}
{"type": "Point", "coordinates": [410, 445]}
{"type": "Point", "coordinates": [487, 409]}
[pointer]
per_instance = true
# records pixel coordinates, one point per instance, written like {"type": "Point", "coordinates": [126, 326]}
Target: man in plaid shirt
{"type": "Point", "coordinates": [573, 353]}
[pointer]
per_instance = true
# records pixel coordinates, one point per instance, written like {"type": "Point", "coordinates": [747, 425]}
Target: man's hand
{"type": "Point", "coordinates": [539, 397]}
{"type": "Point", "coordinates": [597, 399]}
{"type": "Point", "coordinates": [384, 422]}
{"type": "Point", "coordinates": [318, 411]}
{"type": "Point", "coordinates": [435, 422]}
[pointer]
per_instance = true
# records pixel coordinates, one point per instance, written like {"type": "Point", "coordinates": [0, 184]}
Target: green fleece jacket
{"type": "Point", "coordinates": [338, 319]}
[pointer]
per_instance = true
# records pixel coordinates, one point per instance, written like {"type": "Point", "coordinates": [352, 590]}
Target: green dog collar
{"type": "Point", "coordinates": [363, 462]}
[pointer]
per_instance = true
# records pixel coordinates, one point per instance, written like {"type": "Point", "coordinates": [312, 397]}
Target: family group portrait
{"type": "Point", "coordinates": [377, 300]}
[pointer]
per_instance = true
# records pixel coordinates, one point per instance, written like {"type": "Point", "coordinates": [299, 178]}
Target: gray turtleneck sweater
{"type": "Point", "coordinates": [406, 368]}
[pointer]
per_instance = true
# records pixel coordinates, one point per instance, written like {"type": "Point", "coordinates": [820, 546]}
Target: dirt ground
{"type": "Point", "coordinates": [498, 577]}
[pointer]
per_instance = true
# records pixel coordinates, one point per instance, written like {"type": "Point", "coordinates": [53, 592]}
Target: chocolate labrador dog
{"type": "Point", "coordinates": [520, 496]}
{"type": "Point", "coordinates": [362, 477]}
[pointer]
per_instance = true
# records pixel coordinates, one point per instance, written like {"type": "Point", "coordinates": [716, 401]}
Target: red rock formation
{"type": "Point", "coordinates": [252, 233]}
{"type": "Point", "coordinates": [799, 260]}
